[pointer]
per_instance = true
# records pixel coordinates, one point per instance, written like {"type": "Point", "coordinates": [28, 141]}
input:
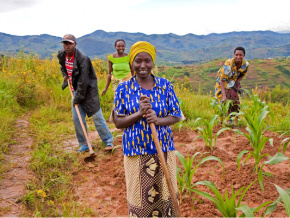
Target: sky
{"type": "Point", "coordinates": [200, 17]}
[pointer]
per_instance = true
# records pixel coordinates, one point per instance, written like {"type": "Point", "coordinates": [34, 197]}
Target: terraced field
{"type": "Point", "coordinates": [262, 73]}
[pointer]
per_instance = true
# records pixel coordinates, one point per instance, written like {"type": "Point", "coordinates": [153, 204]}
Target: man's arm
{"type": "Point", "coordinates": [65, 77]}
{"type": "Point", "coordinates": [83, 79]}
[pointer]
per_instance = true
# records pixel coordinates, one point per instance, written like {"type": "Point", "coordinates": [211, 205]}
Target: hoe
{"type": "Point", "coordinates": [92, 153]}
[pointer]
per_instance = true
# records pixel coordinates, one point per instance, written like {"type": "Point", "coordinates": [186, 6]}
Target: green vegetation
{"type": "Point", "coordinates": [221, 110]}
{"type": "Point", "coordinates": [267, 77]}
{"type": "Point", "coordinates": [278, 158]}
{"type": "Point", "coordinates": [255, 129]}
{"type": "Point", "coordinates": [206, 133]}
{"type": "Point", "coordinates": [284, 195]}
{"type": "Point", "coordinates": [185, 178]}
{"type": "Point", "coordinates": [9, 111]}
{"type": "Point", "coordinates": [283, 69]}
{"type": "Point", "coordinates": [229, 206]}
{"type": "Point", "coordinates": [277, 94]}
{"type": "Point", "coordinates": [32, 86]}
{"type": "Point", "coordinates": [255, 123]}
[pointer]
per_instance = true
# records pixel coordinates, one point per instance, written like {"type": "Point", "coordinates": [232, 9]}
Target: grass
{"type": "Point", "coordinates": [29, 84]}
{"type": "Point", "coordinates": [51, 194]}
{"type": "Point", "coordinates": [9, 111]}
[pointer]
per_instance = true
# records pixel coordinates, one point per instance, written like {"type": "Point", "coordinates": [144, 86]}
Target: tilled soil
{"type": "Point", "coordinates": [101, 184]}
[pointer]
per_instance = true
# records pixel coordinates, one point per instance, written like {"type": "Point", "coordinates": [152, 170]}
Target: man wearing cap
{"type": "Point", "coordinates": [78, 68]}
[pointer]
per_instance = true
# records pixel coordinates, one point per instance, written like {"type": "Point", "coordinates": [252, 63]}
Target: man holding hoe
{"type": "Point", "coordinates": [78, 69]}
{"type": "Point", "coordinates": [228, 80]}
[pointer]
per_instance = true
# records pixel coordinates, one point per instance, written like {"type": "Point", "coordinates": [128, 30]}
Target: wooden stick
{"type": "Point", "coordinates": [92, 153]}
{"type": "Point", "coordinates": [165, 170]}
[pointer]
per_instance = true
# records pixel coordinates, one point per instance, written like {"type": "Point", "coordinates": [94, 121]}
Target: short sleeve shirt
{"type": "Point", "coordinates": [138, 139]}
{"type": "Point", "coordinates": [230, 74]}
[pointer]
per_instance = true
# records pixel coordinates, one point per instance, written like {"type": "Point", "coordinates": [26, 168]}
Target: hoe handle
{"type": "Point", "coordinates": [165, 170]}
{"type": "Point", "coordinates": [81, 120]}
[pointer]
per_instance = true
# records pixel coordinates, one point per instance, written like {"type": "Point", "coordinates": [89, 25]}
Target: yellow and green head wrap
{"type": "Point", "coordinates": [142, 46]}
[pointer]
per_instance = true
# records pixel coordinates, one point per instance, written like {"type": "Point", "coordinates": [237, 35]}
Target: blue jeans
{"type": "Point", "coordinates": [99, 122]}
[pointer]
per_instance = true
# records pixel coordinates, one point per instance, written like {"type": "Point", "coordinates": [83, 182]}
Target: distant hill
{"type": "Point", "coordinates": [188, 48]}
{"type": "Point", "coordinates": [201, 77]}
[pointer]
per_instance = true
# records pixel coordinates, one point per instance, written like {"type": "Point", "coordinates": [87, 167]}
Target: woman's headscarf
{"type": "Point", "coordinates": [142, 46]}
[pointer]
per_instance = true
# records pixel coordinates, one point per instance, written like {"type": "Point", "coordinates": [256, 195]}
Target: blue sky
{"type": "Point", "coordinates": [201, 17]}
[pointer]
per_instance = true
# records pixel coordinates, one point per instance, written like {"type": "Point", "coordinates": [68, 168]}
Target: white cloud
{"type": "Point", "coordinates": [80, 17]}
{"type": "Point", "coordinates": [10, 5]}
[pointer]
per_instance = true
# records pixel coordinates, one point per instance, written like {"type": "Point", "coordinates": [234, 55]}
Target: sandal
{"type": "Point", "coordinates": [109, 148]}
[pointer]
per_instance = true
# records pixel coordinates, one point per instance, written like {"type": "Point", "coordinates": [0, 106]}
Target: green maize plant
{"type": "Point", "coordinates": [221, 110]}
{"type": "Point", "coordinates": [184, 178]}
{"type": "Point", "coordinates": [284, 142]}
{"type": "Point", "coordinates": [181, 184]}
{"type": "Point", "coordinates": [278, 158]}
{"type": "Point", "coordinates": [206, 133]}
{"type": "Point", "coordinates": [284, 195]}
{"type": "Point", "coordinates": [255, 128]}
{"type": "Point", "coordinates": [256, 105]}
{"type": "Point", "coordinates": [229, 206]}
{"type": "Point", "coordinates": [117, 146]}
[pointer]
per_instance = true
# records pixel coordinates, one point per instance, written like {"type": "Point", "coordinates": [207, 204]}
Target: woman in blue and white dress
{"type": "Point", "coordinates": [142, 100]}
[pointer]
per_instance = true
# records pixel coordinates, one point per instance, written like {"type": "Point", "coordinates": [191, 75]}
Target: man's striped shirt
{"type": "Point", "coordinates": [69, 68]}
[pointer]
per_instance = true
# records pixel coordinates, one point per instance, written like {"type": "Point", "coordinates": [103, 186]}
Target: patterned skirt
{"type": "Point", "coordinates": [147, 191]}
{"type": "Point", "coordinates": [231, 94]}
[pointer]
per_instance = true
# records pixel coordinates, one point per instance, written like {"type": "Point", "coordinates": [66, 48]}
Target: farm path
{"type": "Point", "coordinates": [17, 173]}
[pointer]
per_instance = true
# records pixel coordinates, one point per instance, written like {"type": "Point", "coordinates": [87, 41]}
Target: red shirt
{"type": "Point", "coordinates": [69, 68]}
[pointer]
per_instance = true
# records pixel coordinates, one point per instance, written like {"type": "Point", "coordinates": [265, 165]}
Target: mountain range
{"type": "Point", "coordinates": [170, 47]}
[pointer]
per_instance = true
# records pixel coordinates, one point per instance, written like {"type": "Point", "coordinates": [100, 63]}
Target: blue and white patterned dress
{"type": "Point", "coordinates": [138, 139]}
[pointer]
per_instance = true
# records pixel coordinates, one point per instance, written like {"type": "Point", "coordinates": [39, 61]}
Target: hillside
{"type": "Point", "coordinates": [188, 48]}
{"type": "Point", "coordinates": [262, 73]}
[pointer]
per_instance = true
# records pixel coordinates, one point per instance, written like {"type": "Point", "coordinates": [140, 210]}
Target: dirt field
{"type": "Point", "coordinates": [101, 184]}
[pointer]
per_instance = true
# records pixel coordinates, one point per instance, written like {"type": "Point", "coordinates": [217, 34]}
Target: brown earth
{"type": "Point", "coordinates": [17, 172]}
{"type": "Point", "coordinates": [101, 184]}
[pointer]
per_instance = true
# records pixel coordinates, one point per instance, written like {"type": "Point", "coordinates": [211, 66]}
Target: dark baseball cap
{"type": "Point", "coordinates": [69, 38]}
